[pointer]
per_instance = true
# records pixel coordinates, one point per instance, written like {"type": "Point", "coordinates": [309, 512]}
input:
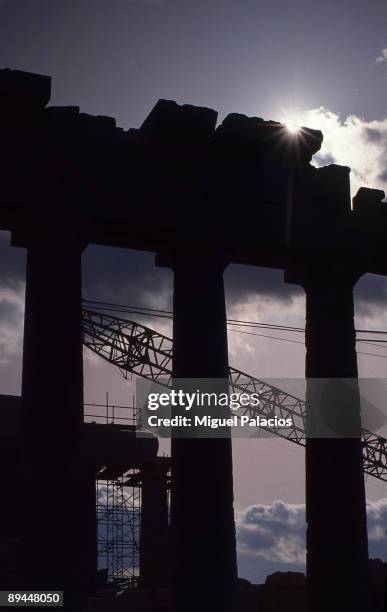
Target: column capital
{"type": "Point", "coordinates": [311, 275]}
{"type": "Point", "coordinates": [193, 255]}
{"type": "Point", "coordinates": [38, 231]}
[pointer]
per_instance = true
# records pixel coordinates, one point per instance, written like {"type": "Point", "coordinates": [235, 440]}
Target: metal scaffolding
{"type": "Point", "coordinates": [118, 506]}
{"type": "Point", "coordinates": [118, 529]}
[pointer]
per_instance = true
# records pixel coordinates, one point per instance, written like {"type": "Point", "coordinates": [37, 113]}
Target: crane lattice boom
{"type": "Point", "coordinates": [137, 349]}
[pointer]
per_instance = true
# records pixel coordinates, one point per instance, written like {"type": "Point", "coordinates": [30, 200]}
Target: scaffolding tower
{"type": "Point", "coordinates": [118, 507]}
{"type": "Point", "coordinates": [118, 529]}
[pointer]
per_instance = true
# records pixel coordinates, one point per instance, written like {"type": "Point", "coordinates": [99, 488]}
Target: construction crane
{"type": "Point", "coordinates": [137, 349]}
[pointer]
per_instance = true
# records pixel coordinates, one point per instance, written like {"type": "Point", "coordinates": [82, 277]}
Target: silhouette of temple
{"type": "Point", "coordinates": [182, 187]}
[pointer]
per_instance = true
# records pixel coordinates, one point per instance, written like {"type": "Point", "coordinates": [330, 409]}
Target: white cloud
{"type": "Point", "coordinates": [272, 538]}
{"type": "Point", "coordinates": [382, 57]}
{"type": "Point", "coordinates": [352, 141]}
{"type": "Point", "coordinates": [274, 533]}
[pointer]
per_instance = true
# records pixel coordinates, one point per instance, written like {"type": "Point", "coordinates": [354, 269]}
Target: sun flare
{"type": "Point", "coordinates": [292, 121]}
{"type": "Point", "coordinates": [292, 126]}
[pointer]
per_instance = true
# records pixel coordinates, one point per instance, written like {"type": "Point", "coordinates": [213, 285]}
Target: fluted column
{"type": "Point", "coordinates": [202, 516]}
{"type": "Point", "coordinates": [53, 473]}
{"type": "Point", "coordinates": [337, 547]}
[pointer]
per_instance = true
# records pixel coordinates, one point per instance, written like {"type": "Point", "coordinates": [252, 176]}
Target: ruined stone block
{"type": "Point", "coordinates": [367, 200]}
{"type": "Point", "coordinates": [268, 141]}
{"type": "Point", "coordinates": [23, 91]}
{"type": "Point", "coordinates": [186, 123]}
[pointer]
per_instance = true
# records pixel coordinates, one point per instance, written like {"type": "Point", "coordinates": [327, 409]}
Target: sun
{"type": "Point", "coordinates": [292, 126]}
{"type": "Point", "coordinates": [293, 122]}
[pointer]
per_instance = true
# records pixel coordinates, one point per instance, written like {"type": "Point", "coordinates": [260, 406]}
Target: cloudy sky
{"type": "Point", "coordinates": [321, 64]}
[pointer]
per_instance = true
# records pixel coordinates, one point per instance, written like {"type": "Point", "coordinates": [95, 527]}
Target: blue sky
{"type": "Point", "coordinates": [322, 64]}
{"type": "Point", "coordinates": [118, 57]}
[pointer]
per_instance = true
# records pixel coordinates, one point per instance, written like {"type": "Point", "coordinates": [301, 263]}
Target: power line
{"type": "Point", "coordinates": [125, 307]}
{"type": "Point", "coordinates": [265, 336]}
{"type": "Point", "coordinates": [235, 323]}
{"type": "Point", "coordinates": [303, 344]}
{"type": "Point", "coordinates": [159, 312]}
{"type": "Point", "coordinates": [371, 354]}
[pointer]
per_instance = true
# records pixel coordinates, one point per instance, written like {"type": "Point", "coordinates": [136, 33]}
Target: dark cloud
{"type": "Point", "coordinates": [10, 312]}
{"type": "Point", "coordinates": [370, 294]}
{"type": "Point", "coordinates": [125, 277]}
{"type": "Point", "coordinates": [12, 262]}
{"type": "Point", "coordinates": [377, 521]}
{"type": "Point", "coordinates": [10, 373]}
{"type": "Point", "coordinates": [244, 282]}
{"type": "Point", "coordinates": [324, 159]}
{"type": "Point", "coordinates": [373, 135]}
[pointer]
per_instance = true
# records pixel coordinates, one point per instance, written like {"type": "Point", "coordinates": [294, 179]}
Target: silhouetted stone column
{"type": "Point", "coordinates": [202, 516]}
{"type": "Point", "coordinates": [337, 547]}
{"type": "Point", "coordinates": [154, 535]}
{"type": "Point", "coordinates": [54, 535]}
